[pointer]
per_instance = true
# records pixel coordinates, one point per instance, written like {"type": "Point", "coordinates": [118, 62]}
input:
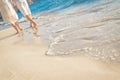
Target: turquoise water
{"type": "Point", "coordinates": [40, 6]}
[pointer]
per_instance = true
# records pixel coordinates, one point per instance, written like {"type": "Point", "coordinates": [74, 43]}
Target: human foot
{"type": "Point", "coordinates": [17, 32]}
{"type": "Point", "coordinates": [21, 29]}
{"type": "Point", "coordinates": [34, 25]}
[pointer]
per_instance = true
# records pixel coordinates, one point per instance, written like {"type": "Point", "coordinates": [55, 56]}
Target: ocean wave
{"type": "Point", "coordinates": [91, 30]}
{"type": "Point", "coordinates": [41, 6]}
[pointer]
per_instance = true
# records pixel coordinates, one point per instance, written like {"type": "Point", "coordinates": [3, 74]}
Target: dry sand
{"type": "Point", "coordinates": [20, 60]}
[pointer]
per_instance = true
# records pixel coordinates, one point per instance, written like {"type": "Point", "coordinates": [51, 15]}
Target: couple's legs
{"type": "Point", "coordinates": [25, 10]}
{"type": "Point", "coordinates": [16, 27]}
{"type": "Point", "coordinates": [33, 25]}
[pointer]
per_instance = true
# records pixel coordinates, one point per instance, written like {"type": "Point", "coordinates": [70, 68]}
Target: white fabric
{"type": "Point", "coordinates": [23, 6]}
{"type": "Point", "coordinates": [7, 11]}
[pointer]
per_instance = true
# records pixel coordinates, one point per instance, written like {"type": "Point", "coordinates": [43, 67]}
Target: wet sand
{"type": "Point", "coordinates": [20, 60]}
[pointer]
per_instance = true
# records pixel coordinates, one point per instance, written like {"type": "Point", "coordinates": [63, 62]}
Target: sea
{"type": "Point", "coordinates": [79, 27]}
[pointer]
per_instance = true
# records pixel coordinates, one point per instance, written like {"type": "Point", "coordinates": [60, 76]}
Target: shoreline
{"type": "Point", "coordinates": [71, 39]}
{"type": "Point", "coordinates": [21, 60]}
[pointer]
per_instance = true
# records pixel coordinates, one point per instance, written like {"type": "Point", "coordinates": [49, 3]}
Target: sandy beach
{"type": "Point", "coordinates": [77, 43]}
{"type": "Point", "coordinates": [20, 60]}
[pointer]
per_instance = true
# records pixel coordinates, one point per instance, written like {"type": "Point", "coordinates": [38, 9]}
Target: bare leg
{"type": "Point", "coordinates": [17, 24]}
{"type": "Point", "coordinates": [32, 23]}
{"type": "Point", "coordinates": [15, 27]}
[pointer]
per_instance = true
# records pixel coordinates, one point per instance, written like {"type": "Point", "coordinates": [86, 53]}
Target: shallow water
{"type": "Point", "coordinates": [91, 30]}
